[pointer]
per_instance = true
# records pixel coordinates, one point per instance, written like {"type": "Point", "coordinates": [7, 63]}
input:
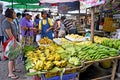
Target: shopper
{"type": "Point", "coordinates": [59, 29]}
{"type": "Point", "coordinates": [9, 30]}
{"type": "Point", "coordinates": [46, 26]}
{"type": "Point", "coordinates": [2, 17]}
{"type": "Point", "coordinates": [36, 20]}
{"type": "Point", "coordinates": [70, 28]}
{"type": "Point", "coordinates": [27, 28]}
{"type": "Point", "coordinates": [17, 23]}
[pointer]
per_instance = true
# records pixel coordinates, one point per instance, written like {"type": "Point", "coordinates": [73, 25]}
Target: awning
{"type": "Point", "coordinates": [28, 6]}
{"type": "Point", "coordinates": [22, 1]}
{"type": "Point", "coordinates": [56, 1]}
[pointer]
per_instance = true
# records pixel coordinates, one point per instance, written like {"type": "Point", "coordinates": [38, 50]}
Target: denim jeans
{"type": "Point", "coordinates": [73, 31]}
{"type": "Point", "coordinates": [1, 39]}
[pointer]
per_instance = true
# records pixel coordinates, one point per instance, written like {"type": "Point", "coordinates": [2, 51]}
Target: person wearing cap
{"type": "Point", "coordinates": [27, 27]}
{"type": "Point", "coordinates": [2, 17]}
{"type": "Point", "coordinates": [46, 26]}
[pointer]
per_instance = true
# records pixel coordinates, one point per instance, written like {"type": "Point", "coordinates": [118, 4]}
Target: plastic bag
{"type": "Point", "coordinates": [38, 37]}
{"type": "Point", "coordinates": [11, 48]}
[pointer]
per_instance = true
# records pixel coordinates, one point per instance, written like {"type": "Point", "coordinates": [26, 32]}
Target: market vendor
{"type": "Point", "coordinates": [46, 26]}
{"type": "Point", "coordinates": [70, 28]}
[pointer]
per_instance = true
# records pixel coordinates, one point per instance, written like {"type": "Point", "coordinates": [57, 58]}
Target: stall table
{"type": "Point", "coordinates": [114, 67]}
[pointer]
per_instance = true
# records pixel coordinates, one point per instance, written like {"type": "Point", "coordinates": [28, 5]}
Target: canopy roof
{"type": "Point", "coordinates": [56, 1]}
{"type": "Point", "coordinates": [22, 1]}
{"type": "Point", "coordinates": [28, 6]}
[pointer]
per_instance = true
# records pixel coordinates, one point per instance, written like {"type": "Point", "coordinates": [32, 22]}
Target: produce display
{"type": "Point", "coordinates": [112, 43]}
{"type": "Point", "coordinates": [96, 52]}
{"type": "Point", "coordinates": [74, 37]}
{"type": "Point", "coordinates": [60, 41]}
{"type": "Point", "coordinates": [68, 54]}
{"type": "Point", "coordinates": [45, 41]}
{"type": "Point", "coordinates": [45, 58]}
{"type": "Point", "coordinates": [88, 52]}
{"type": "Point", "coordinates": [99, 39]}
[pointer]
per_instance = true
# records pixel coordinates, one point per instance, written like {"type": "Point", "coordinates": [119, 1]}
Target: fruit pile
{"type": "Point", "coordinates": [99, 39]}
{"type": "Point", "coordinates": [78, 53]}
{"type": "Point", "coordinates": [45, 58]}
{"type": "Point", "coordinates": [112, 43]}
{"type": "Point", "coordinates": [96, 52]}
{"type": "Point", "coordinates": [45, 41]}
{"type": "Point", "coordinates": [60, 41]}
{"type": "Point", "coordinates": [74, 37]}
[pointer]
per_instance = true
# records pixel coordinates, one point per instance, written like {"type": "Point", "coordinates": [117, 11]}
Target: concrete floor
{"type": "Point", "coordinates": [4, 72]}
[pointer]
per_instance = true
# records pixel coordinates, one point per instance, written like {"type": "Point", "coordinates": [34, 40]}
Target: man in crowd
{"type": "Point", "coordinates": [17, 21]}
{"type": "Point", "coordinates": [70, 28]}
{"type": "Point", "coordinates": [2, 17]}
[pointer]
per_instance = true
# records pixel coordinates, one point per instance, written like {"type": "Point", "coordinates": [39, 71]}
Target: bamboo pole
{"type": "Point", "coordinates": [79, 12]}
{"type": "Point", "coordinates": [92, 24]}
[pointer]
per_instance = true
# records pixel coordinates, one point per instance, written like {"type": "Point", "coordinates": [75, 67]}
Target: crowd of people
{"type": "Point", "coordinates": [24, 29]}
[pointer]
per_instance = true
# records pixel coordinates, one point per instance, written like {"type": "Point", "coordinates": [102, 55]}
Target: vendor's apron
{"type": "Point", "coordinates": [44, 29]}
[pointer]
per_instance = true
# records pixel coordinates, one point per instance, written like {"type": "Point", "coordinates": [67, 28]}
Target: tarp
{"type": "Point", "coordinates": [68, 6]}
{"type": "Point", "coordinates": [91, 3]}
{"type": "Point", "coordinates": [22, 1]}
{"type": "Point", "coordinates": [28, 6]}
{"type": "Point", "coordinates": [63, 5]}
{"type": "Point", "coordinates": [56, 1]}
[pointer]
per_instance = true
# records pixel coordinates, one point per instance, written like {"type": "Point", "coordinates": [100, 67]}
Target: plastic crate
{"type": "Point", "coordinates": [36, 78]}
{"type": "Point", "coordinates": [71, 76]}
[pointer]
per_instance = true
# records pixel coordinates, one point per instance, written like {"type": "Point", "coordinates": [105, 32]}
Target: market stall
{"type": "Point", "coordinates": [48, 62]}
{"type": "Point", "coordinates": [71, 55]}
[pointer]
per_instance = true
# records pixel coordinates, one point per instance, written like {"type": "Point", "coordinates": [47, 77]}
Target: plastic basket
{"type": "Point", "coordinates": [36, 78]}
{"type": "Point", "coordinates": [64, 77]}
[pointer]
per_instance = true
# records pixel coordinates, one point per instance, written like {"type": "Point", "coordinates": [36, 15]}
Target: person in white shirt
{"type": "Point", "coordinates": [2, 17]}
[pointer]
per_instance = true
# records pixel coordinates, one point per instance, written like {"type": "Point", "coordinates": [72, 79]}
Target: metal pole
{"type": "Point", "coordinates": [12, 3]}
{"type": "Point", "coordinates": [86, 18]}
{"type": "Point", "coordinates": [26, 6]}
{"type": "Point", "coordinates": [92, 24]}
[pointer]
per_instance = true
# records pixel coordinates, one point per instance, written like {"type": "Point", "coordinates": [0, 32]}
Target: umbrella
{"type": "Point", "coordinates": [22, 6]}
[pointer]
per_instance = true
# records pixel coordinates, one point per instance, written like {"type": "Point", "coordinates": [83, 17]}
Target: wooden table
{"type": "Point", "coordinates": [114, 66]}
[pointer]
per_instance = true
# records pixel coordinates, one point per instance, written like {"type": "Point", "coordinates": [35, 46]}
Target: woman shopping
{"type": "Point", "coordinates": [9, 30]}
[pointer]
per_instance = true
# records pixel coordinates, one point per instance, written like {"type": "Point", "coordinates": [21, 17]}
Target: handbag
{"type": "Point", "coordinates": [11, 48]}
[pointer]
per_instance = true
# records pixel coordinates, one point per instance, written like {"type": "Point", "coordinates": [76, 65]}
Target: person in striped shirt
{"type": "Point", "coordinates": [70, 28]}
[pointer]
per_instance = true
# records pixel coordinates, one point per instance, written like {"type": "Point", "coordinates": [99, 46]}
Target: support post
{"type": "Point", "coordinates": [12, 4]}
{"type": "Point", "coordinates": [79, 12]}
{"type": "Point", "coordinates": [114, 69]}
{"type": "Point", "coordinates": [92, 24]}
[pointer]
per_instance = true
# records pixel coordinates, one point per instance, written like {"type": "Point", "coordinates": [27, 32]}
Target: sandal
{"type": "Point", "coordinates": [13, 77]}
{"type": "Point", "coordinates": [17, 70]}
